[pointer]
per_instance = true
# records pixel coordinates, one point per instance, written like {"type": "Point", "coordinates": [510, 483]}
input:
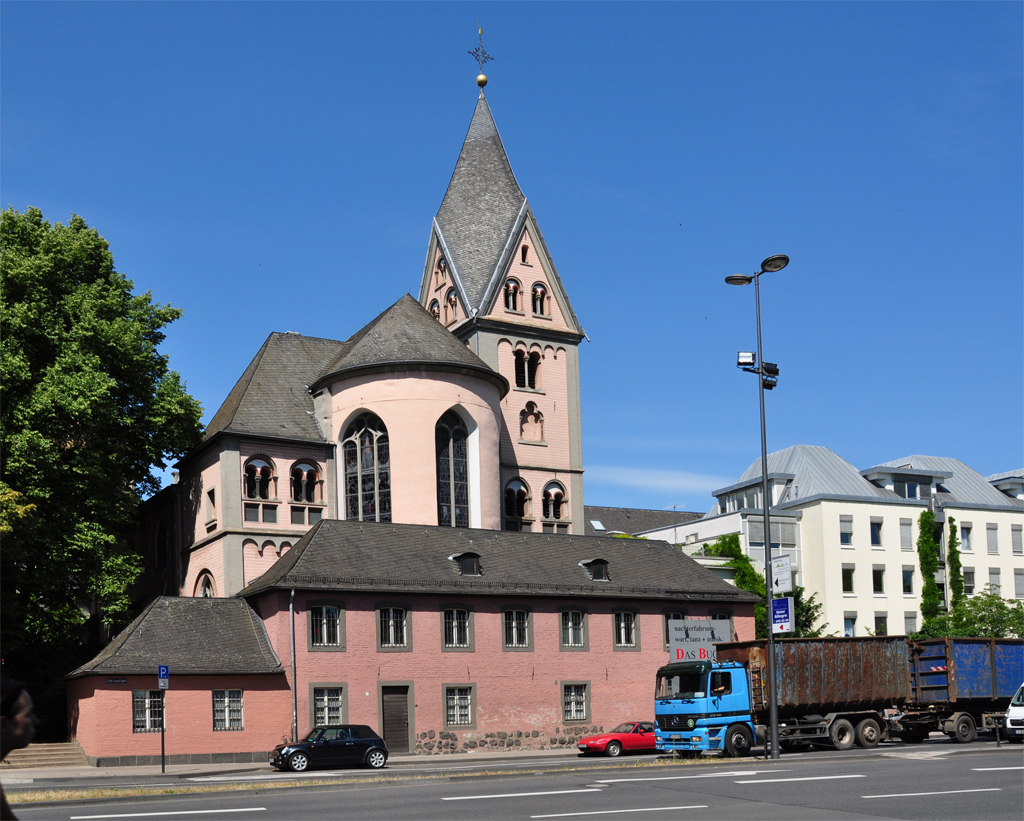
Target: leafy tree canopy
{"type": "Point", "coordinates": [89, 408]}
{"type": "Point", "coordinates": [985, 614]}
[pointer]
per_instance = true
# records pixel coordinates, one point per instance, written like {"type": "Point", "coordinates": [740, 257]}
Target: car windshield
{"type": "Point", "coordinates": [624, 728]}
{"type": "Point", "coordinates": [684, 684]}
{"type": "Point", "coordinates": [1018, 700]}
{"type": "Point", "coordinates": [313, 734]}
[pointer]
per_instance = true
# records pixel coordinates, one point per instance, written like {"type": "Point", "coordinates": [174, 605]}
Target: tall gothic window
{"type": "Point", "coordinates": [367, 470]}
{"type": "Point", "coordinates": [452, 471]}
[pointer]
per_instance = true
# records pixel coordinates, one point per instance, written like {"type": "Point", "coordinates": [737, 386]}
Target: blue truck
{"type": "Point", "coordinates": [837, 692]}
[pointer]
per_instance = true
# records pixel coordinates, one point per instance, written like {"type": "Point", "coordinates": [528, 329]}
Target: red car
{"type": "Point", "coordinates": [631, 737]}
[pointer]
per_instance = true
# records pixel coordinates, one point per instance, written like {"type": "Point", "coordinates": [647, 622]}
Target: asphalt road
{"type": "Point", "coordinates": [942, 781]}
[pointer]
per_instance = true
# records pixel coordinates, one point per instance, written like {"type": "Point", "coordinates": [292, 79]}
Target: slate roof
{"type": "Point", "coordinates": [271, 398]}
{"type": "Point", "coordinates": [407, 335]}
{"type": "Point", "coordinates": [965, 486]}
{"type": "Point", "coordinates": [633, 521]}
{"type": "Point", "coordinates": [480, 209]}
{"type": "Point", "coordinates": [352, 556]}
{"type": "Point", "coordinates": [233, 641]}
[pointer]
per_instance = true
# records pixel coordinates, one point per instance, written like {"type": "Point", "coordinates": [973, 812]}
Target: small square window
{"type": "Point", "coordinates": [575, 702]}
{"type": "Point", "coordinates": [315, 514]}
{"type": "Point", "coordinates": [270, 514]}
{"type": "Point", "coordinates": [327, 705]}
{"type": "Point", "coordinates": [459, 707]}
{"type": "Point", "coordinates": [147, 711]}
{"type": "Point", "coordinates": [252, 513]}
{"type": "Point", "coordinates": [298, 515]}
{"type": "Point", "coordinates": [227, 710]}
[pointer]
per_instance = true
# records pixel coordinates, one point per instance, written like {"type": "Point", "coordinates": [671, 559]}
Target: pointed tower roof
{"type": "Point", "coordinates": [481, 208]}
{"type": "Point", "coordinates": [406, 337]}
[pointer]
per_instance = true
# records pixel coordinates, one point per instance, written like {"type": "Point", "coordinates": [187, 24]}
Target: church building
{"type": "Point", "coordinates": [389, 530]}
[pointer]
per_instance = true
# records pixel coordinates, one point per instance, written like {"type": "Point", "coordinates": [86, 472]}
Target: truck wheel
{"type": "Point", "coordinates": [841, 734]}
{"type": "Point", "coordinates": [738, 741]}
{"type": "Point", "coordinates": [868, 733]}
{"type": "Point", "coordinates": [964, 730]}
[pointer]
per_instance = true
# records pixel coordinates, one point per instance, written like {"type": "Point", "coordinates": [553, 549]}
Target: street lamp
{"type": "Point", "coordinates": [768, 377]}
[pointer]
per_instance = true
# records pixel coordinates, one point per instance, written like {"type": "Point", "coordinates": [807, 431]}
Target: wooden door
{"type": "Point", "coordinates": [395, 703]}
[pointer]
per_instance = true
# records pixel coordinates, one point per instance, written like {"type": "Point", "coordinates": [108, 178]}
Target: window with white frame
{"type": "Point", "coordinates": [848, 578]}
{"type": "Point", "coordinates": [908, 579]}
{"type": "Point", "coordinates": [1016, 541]}
{"type": "Point", "coordinates": [327, 705]}
{"type": "Point", "coordinates": [992, 531]}
{"type": "Point", "coordinates": [878, 579]}
{"type": "Point", "coordinates": [458, 706]}
{"type": "Point", "coordinates": [227, 710]}
{"type": "Point", "coordinates": [846, 531]}
{"type": "Point", "coordinates": [965, 537]}
{"type": "Point", "coordinates": [324, 624]}
{"type": "Point", "coordinates": [456, 627]}
{"type": "Point", "coordinates": [625, 629]}
{"type": "Point", "coordinates": [147, 711]}
{"type": "Point", "coordinates": [849, 624]}
{"type": "Point", "coordinates": [906, 534]}
{"type": "Point", "coordinates": [574, 702]}
{"type": "Point", "coordinates": [367, 465]}
{"type": "Point", "coordinates": [573, 622]}
{"type": "Point", "coordinates": [670, 617]}
{"type": "Point", "coordinates": [517, 629]}
{"type": "Point", "coordinates": [876, 531]}
{"type": "Point", "coordinates": [968, 581]}
{"type": "Point", "coordinates": [392, 627]}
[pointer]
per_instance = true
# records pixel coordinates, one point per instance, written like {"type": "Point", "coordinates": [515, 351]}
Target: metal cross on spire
{"type": "Point", "coordinates": [480, 56]}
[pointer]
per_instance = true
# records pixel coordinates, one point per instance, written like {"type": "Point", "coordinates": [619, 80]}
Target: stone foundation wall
{"type": "Point", "coordinates": [448, 742]}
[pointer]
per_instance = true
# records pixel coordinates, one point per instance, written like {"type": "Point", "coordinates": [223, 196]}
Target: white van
{"type": "Point", "coordinates": [1015, 718]}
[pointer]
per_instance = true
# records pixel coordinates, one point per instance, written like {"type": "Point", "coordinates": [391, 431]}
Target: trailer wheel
{"type": "Point", "coordinates": [841, 734]}
{"type": "Point", "coordinates": [964, 730]}
{"type": "Point", "coordinates": [738, 741]}
{"type": "Point", "coordinates": [868, 733]}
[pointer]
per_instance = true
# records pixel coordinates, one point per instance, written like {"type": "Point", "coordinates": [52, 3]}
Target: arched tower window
{"type": "Point", "coordinates": [204, 586]}
{"type": "Point", "coordinates": [513, 292]}
{"type": "Point", "coordinates": [540, 300]}
{"type": "Point", "coordinates": [531, 424]}
{"type": "Point", "coordinates": [440, 272]}
{"type": "Point", "coordinates": [450, 436]}
{"type": "Point", "coordinates": [554, 501]}
{"type": "Point", "coordinates": [524, 251]}
{"type": "Point", "coordinates": [435, 310]}
{"type": "Point", "coordinates": [527, 369]}
{"type": "Point", "coordinates": [451, 306]}
{"type": "Point", "coordinates": [305, 483]}
{"type": "Point", "coordinates": [258, 477]}
{"type": "Point", "coordinates": [367, 470]}
{"type": "Point", "coordinates": [517, 505]}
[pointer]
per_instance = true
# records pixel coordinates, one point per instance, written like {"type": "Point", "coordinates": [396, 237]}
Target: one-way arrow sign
{"type": "Point", "coordinates": [782, 576]}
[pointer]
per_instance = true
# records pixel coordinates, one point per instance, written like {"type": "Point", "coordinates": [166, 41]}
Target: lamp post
{"type": "Point", "coordinates": [768, 377]}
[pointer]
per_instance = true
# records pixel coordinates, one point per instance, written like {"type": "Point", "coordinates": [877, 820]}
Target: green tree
{"type": "Point", "coordinates": [89, 408]}
{"type": "Point", "coordinates": [954, 567]}
{"type": "Point", "coordinates": [928, 560]}
{"type": "Point", "coordinates": [806, 611]}
{"type": "Point", "coordinates": [985, 614]}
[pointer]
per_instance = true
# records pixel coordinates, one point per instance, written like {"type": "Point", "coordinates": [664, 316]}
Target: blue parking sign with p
{"type": "Point", "coordinates": [163, 676]}
{"type": "Point", "coordinates": [162, 671]}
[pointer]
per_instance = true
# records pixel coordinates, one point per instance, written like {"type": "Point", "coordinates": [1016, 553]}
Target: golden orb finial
{"type": "Point", "coordinates": [481, 80]}
{"type": "Point", "coordinates": [481, 57]}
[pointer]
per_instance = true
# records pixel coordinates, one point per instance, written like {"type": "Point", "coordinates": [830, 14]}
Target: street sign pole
{"type": "Point", "coordinates": [163, 679]}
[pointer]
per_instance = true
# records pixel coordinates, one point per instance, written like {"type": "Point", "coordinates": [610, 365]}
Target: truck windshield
{"type": "Point", "coordinates": [1018, 700]}
{"type": "Point", "coordinates": [683, 684]}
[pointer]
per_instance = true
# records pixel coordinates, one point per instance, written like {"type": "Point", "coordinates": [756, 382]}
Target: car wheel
{"type": "Point", "coordinates": [841, 734]}
{"type": "Point", "coordinates": [738, 741]}
{"type": "Point", "coordinates": [868, 733]}
{"type": "Point", "coordinates": [376, 759]}
{"type": "Point", "coordinates": [298, 762]}
{"type": "Point", "coordinates": [964, 730]}
{"type": "Point", "coordinates": [614, 749]}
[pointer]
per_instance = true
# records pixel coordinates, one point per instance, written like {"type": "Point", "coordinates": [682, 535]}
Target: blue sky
{"type": "Point", "coordinates": [276, 166]}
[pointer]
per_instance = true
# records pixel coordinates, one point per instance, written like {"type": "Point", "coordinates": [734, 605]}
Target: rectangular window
{"type": "Point", "coordinates": [574, 702]}
{"type": "Point", "coordinates": [625, 629]}
{"type": "Point", "coordinates": [965, 537]}
{"type": "Point", "coordinates": [227, 710]}
{"type": "Point", "coordinates": [848, 578]}
{"type": "Point", "coordinates": [147, 711]}
{"type": "Point", "coordinates": [572, 628]}
{"type": "Point", "coordinates": [992, 531]}
{"type": "Point", "coordinates": [252, 513]}
{"type": "Point", "coordinates": [909, 623]}
{"type": "Point", "coordinates": [846, 530]}
{"type": "Point", "coordinates": [315, 514]}
{"type": "Point", "coordinates": [270, 514]}
{"type": "Point", "coordinates": [1016, 543]}
{"type": "Point", "coordinates": [458, 705]}
{"type": "Point", "coordinates": [669, 617]}
{"type": "Point", "coordinates": [326, 705]}
{"type": "Point", "coordinates": [517, 623]}
{"type": "Point", "coordinates": [881, 624]}
{"type": "Point", "coordinates": [849, 624]}
{"type": "Point", "coordinates": [324, 623]}
{"type": "Point", "coordinates": [456, 628]}
{"type": "Point", "coordinates": [878, 578]}
{"type": "Point", "coordinates": [876, 531]}
{"type": "Point", "coordinates": [298, 515]}
{"type": "Point", "coordinates": [908, 578]}
{"type": "Point", "coordinates": [1018, 582]}
{"type": "Point", "coordinates": [392, 627]}
{"type": "Point", "coordinates": [906, 534]}
{"type": "Point", "coordinates": [211, 505]}
{"type": "Point", "coordinates": [993, 580]}
{"type": "Point", "coordinates": [968, 581]}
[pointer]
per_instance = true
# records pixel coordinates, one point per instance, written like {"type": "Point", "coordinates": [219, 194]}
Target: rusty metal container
{"type": "Point", "coordinates": [966, 670]}
{"type": "Point", "coordinates": [819, 676]}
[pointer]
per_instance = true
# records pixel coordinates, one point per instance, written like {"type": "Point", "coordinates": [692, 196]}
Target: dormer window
{"type": "Point", "coordinates": [597, 570]}
{"type": "Point", "coordinates": [469, 563]}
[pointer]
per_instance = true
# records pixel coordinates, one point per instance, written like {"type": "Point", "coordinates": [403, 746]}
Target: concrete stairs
{"type": "Point", "coordinates": [46, 755]}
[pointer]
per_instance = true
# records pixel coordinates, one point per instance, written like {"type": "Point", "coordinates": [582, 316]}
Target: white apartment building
{"type": "Point", "coordinates": [852, 534]}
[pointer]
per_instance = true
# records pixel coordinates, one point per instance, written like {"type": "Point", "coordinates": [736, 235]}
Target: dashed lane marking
{"type": "Point", "coordinates": [943, 792]}
{"type": "Point", "coordinates": [515, 794]}
{"type": "Point", "coordinates": [615, 812]}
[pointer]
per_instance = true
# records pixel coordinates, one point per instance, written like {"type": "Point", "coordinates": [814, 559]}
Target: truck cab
{"type": "Point", "coordinates": [703, 705]}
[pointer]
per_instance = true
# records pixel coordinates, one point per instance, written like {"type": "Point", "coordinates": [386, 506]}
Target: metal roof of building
{"type": "Point", "coordinates": [816, 471]}
{"type": "Point", "coordinates": [965, 486]}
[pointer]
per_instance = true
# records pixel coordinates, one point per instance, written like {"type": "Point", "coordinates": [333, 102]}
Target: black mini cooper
{"type": "Point", "coordinates": [339, 745]}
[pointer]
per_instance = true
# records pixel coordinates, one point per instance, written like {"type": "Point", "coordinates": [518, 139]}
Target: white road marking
{"type": "Point", "coordinates": [807, 778]}
{"type": "Point", "coordinates": [180, 812]}
{"type": "Point", "coordinates": [943, 792]}
{"type": "Point", "coordinates": [991, 769]}
{"type": "Point", "coordinates": [679, 777]}
{"type": "Point", "coordinates": [613, 812]}
{"type": "Point", "coordinates": [514, 794]}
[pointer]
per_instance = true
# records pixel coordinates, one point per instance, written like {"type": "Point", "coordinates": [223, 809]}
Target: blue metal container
{"type": "Point", "coordinates": [958, 670]}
